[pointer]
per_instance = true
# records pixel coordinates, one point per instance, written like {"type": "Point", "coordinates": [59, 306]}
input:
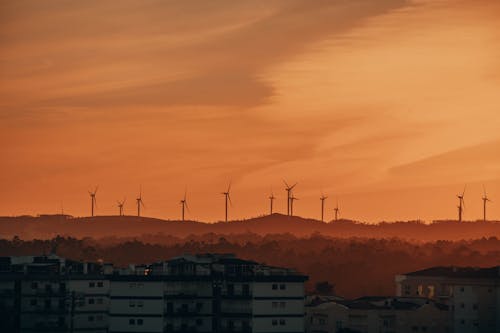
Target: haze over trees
{"type": "Point", "coordinates": [352, 266]}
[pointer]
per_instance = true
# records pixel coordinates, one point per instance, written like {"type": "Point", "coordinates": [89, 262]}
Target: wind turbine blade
{"type": "Point", "coordinates": [463, 193]}
{"type": "Point", "coordinates": [229, 197]}
{"type": "Point", "coordinates": [229, 187]}
{"type": "Point", "coordinates": [293, 186]}
{"type": "Point", "coordinates": [96, 188]}
{"type": "Point", "coordinates": [286, 184]}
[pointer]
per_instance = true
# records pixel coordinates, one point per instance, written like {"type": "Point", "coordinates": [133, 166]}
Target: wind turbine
{"type": "Point", "coordinates": [292, 199]}
{"type": "Point", "coordinates": [227, 198]}
{"type": "Point", "coordinates": [120, 206]}
{"type": "Point", "coordinates": [485, 200]}
{"type": "Point", "coordinates": [288, 190]}
{"type": "Point", "coordinates": [184, 205]}
{"type": "Point", "coordinates": [93, 200]}
{"type": "Point", "coordinates": [336, 210]}
{"type": "Point", "coordinates": [461, 205]}
{"type": "Point", "coordinates": [271, 199]}
{"type": "Point", "coordinates": [139, 203]}
{"type": "Point", "coordinates": [322, 198]}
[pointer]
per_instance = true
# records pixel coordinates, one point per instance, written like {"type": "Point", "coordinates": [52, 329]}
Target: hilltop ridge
{"type": "Point", "coordinates": [47, 226]}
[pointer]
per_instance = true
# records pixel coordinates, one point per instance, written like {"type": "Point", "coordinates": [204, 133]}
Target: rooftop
{"type": "Point", "coordinates": [459, 272]}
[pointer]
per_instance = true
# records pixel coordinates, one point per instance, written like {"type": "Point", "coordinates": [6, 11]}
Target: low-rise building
{"type": "Point", "coordinates": [376, 315]}
{"type": "Point", "coordinates": [473, 294]}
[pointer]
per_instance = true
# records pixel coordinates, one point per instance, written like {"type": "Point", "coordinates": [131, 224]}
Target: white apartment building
{"type": "Point", "coordinates": [473, 294]}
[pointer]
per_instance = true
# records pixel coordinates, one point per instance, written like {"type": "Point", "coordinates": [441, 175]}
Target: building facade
{"type": "Point", "coordinates": [473, 294]}
{"type": "Point", "coordinates": [376, 315]}
{"type": "Point", "coordinates": [202, 293]}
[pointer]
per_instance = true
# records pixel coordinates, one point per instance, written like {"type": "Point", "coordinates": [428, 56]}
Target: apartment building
{"type": "Point", "coordinates": [201, 293]}
{"type": "Point", "coordinates": [52, 294]}
{"type": "Point", "coordinates": [376, 315]}
{"type": "Point", "coordinates": [473, 294]}
{"type": "Point", "coordinates": [207, 293]}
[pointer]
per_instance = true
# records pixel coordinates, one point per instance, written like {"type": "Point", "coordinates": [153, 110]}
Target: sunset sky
{"type": "Point", "coordinates": [388, 106]}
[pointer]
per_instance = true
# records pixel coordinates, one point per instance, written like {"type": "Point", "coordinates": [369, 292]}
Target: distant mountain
{"type": "Point", "coordinates": [47, 226]}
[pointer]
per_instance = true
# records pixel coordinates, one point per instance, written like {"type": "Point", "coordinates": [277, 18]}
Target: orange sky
{"type": "Point", "coordinates": [391, 106]}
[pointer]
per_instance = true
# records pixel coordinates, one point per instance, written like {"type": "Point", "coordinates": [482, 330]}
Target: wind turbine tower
{"type": "Point", "coordinates": [292, 199]}
{"type": "Point", "coordinates": [184, 205]}
{"type": "Point", "coordinates": [323, 198]}
{"type": "Point", "coordinates": [139, 203]}
{"type": "Point", "coordinates": [485, 200]}
{"type": "Point", "coordinates": [93, 201]}
{"type": "Point", "coordinates": [120, 207]}
{"type": "Point", "coordinates": [227, 197]}
{"type": "Point", "coordinates": [337, 209]}
{"type": "Point", "coordinates": [288, 190]}
{"type": "Point", "coordinates": [271, 200]}
{"type": "Point", "coordinates": [461, 205]}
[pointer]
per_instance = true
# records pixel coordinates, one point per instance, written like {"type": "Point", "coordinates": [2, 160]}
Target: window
{"type": "Point", "coordinates": [462, 289]}
{"type": "Point", "coordinates": [91, 318]}
{"type": "Point", "coordinates": [140, 321]}
{"type": "Point", "coordinates": [424, 328]}
{"type": "Point", "coordinates": [282, 322]}
{"type": "Point", "coordinates": [245, 289]}
{"type": "Point", "coordinates": [282, 286]}
{"type": "Point", "coordinates": [275, 287]}
{"type": "Point", "coordinates": [91, 301]}
{"type": "Point", "coordinates": [282, 305]}
{"type": "Point", "coordinates": [474, 306]}
{"type": "Point", "coordinates": [33, 302]}
{"type": "Point", "coordinates": [407, 289]}
{"type": "Point", "coordinates": [462, 305]}
{"type": "Point", "coordinates": [199, 322]}
{"type": "Point", "coordinates": [34, 285]}
{"type": "Point", "coordinates": [199, 306]}
{"type": "Point", "coordinates": [275, 322]}
{"type": "Point", "coordinates": [47, 303]}
{"type": "Point", "coordinates": [91, 284]}
{"type": "Point", "coordinates": [62, 303]}
{"type": "Point", "coordinates": [100, 284]}
{"type": "Point", "coordinates": [131, 321]}
{"type": "Point", "coordinates": [48, 288]}
{"type": "Point", "coordinates": [140, 304]}
{"type": "Point", "coordinates": [131, 304]}
{"type": "Point", "coordinates": [62, 286]}
{"type": "Point", "coordinates": [230, 289]}
{"type": "Point", "coordinates": [99, 318]}
{"type": "Point", "coordinates": [420, 290]}
{"type": "Point", "coordinates": [275, 305]}
{"type": "Point", "coordinates": [100, 301]}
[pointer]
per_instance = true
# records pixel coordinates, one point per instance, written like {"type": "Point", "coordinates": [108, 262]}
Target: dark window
{"type": "Point", "coordinates": [462, 289]}
{"type": "Point", "coordinates": [47, 303]}
{"type": "Point", "coordinates": [60, 321]}
{"type": "Point", "coordinates": [230, 325]}
{"type": "Point", "coordinates": [33, 302]}
{"type": "Point", "coordinates": [140, 321]}
{"type": "Point", "coordinates": [100, 284]}
{"type": "Point", "coordinates": [199, 306]}
{"type": "Point", "coordinates": [62, 304]}
{"type": "Point", "coordinates": [91, 284]}
{"type": "Point", "coordinates": [100, 301]}
{"type": "Point", "coordinates": [275, 286]}
{"type": "Point", "coordinates": [34, 285]}
{"type": "Point", "coordinates": [199, 322]}
{"type": "Point", "coordinates": [282, 286]}
{"type": "Point", "coordinates": [48, 288]}
{"type": "Point", "coordinates": [474, 306]}
{"type": "Point", "coordinates": [462, 305]}
{"type": "Point", "coordinates": [62, 286]}
{"type": "Point", "coordinates": [131, 321]}
{"type": "Point", "coordinates": [230, 289]}
{"type": "Point", "coordinates": [246, 289]}
{"type": "Point", "coordinates": [170, 307]}
{"type": "Point", "coordinates": [91, 318]}
{"type": "Point", "coordinates": [91, 301]}
{"type": "Point", "coordinates": [282, 322]}
{"type": "Point", "coordinates": [275, 322]}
